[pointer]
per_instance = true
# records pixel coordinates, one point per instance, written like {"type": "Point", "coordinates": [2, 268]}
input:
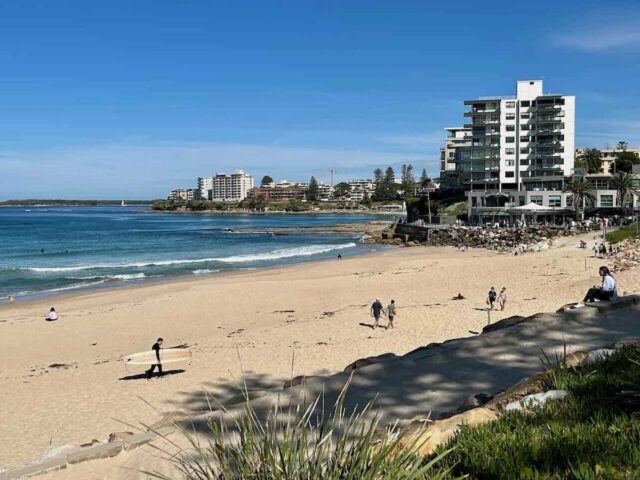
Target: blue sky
{"type": "Point", "coordinates": [128, 99]}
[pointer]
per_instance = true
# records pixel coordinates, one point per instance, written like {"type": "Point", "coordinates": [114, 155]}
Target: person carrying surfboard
{"type": "Point", "coordinates": [156, 348]}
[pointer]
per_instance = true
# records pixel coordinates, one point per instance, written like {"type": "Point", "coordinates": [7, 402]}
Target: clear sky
{"type": "Point", "coordinates": [130, 98]}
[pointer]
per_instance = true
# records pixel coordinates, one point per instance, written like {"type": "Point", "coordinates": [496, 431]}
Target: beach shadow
{"type": "Point", "coordinates": [368, 325]}
{"type": "Point", "coordinates": [143, 375]}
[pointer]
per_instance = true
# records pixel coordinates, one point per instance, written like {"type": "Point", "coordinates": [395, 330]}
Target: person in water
{"type": "Point", "coordinates": [376, 310]}
{"type": "Point", "coordinates": [52, 316]}
{"type": "Point", "coordinates": [605, 292]}
{"type": "Point", "coordinates": [156, 348]}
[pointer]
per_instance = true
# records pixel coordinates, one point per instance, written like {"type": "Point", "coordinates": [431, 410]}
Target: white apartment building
{"type": "Point", "coordinates": [186, 194]}
{"type": "Point", "coordinates": [359, 189]}
{"type": "Point", "coordinates": [521, 142]}
{"type": "Point", "coordinates": [225, 187]}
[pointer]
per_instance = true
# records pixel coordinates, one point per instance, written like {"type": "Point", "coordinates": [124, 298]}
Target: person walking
{"type": "Point", "coordinates": [605, 292]}
{"type": "Point", "coordinates": [156, 348]}
{"type": "Point", "coordinates": [376, 310]}
{"type": "Point", "coordinates": [502, 298]}
{"type": "Point", "coordinates": [491, 298]}
{"type": "Point", "coordinates": [391, 313]}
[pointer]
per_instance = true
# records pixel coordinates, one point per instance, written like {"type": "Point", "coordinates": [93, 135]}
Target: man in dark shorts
{"type": "Point", "coordinates": [156, 348]}
{"type": "Point", "coordinates": [391, 313]}
{"type": "Point", "coordinates": [376, 310]}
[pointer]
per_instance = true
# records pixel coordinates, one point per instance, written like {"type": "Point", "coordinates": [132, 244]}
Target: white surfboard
{"type": "Point", "coordinates": [167, 355]}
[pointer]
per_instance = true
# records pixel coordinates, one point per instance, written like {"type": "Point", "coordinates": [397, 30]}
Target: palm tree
{"type": "Point", "coordinates": [624, 184]}
{"type": "Point", "coordinates": [591, 158]}
{"type": "Point", "coordinates": [580, 190]}
{"type": "Point", "coordinates": [622, 145]}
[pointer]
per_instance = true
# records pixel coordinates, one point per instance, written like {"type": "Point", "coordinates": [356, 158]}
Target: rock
{"type": "Point", "coordinates": [92, 442]}
{"type": "Point", "coordinates": [574, 359]}
{"type": "Point", "coordinates": [504, 323]}
{"type": "Point", "coordinates": [167, 419]}
{"type": "Point", "coordinates": [362, 362]}
{"type": "Point", "coordinates": [524, 387]}
{"type": "Point", "coordinates": [626, 343]}
{"type": "Point", "coordinates": [536, 400]}
{"type": "Point", "coordinates": [119, 436]}
{"type": "Point", "coordinates": [294, 381]}
{"type": "Point", "coordinates": [425, 438]}
{"type": "Point", "coordinates": [474, 401]}
{"type": "Point", "coordinates": [596, 355]}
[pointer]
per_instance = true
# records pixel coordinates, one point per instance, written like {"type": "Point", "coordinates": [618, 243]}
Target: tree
{"type": "Point", "coordinates": [591, 160]}
{"type": "Point", "coordinates": [313, 191]}
{"type": "Point", "coordinates": [389, 182]}
{"type": "Point", "coordinates": [378, 179]}
{"type": "Point", "coordinates": [625, 160]}
{"type": "Point", "coordinates": [424, 178]}
{"type": "Point", "coordinates": [408, 182]}
{"type": "Point", "coordinates": [624, 184]}
{"type": "Point", "coordinates": [622, 145]}
{"type": "Point", "coordinates": [266, 180]}
{"type": "Point", "coordinates": [580, 190]}
{"type": "Point", "coordinates": [342, 189]}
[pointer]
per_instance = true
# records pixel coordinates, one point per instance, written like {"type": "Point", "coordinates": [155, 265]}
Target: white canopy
{"type": "Point", "coordinates": [531, 207]}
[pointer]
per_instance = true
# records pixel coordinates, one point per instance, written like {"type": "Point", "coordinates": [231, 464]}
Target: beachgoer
{"type": "Point", "coordinates": [502, 298]}
{"type": "Point", "coordinates": [52, 316]}
{"type": "Point", "coordinates": [606, 291]}
{"type": "Point", "coordinates": [156, 348]}
{"type": "Point", "coordinates": [339, 256]}
{"type": "Point", "coordinates": [610, 250]}
{"type": "Point", "coordinates": [376, 310]}
{"type": "Point", "coordinates": [491, 298]}
{"type": "Point", "coordinates": [391, 313]}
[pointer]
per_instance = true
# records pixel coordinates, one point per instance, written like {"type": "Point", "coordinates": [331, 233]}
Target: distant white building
{"type": "Point", "coordinates": [225, 187]}
{"type": "Point", "coordinates": [186, 194]}
{"type": "Point", "coordinates": [361, 189]}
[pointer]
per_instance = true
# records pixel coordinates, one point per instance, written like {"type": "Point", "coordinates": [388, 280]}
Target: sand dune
{"type": "Point", "coordinates": [254, 326]}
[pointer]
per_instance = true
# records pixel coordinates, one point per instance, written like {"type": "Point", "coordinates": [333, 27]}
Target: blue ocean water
{"type": "Point", "coordinates": [49, 250]}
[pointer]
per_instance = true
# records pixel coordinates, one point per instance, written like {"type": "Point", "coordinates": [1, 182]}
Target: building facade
{"type": "Point", "coordinates": [450, 174]}
{"type": "Point", "coordinates": [225, 187]}
{"type": "Point", "coordinates": [360, 189]}
{"type": "Point", "coordinates": [521, 142]}
{"type": "Point", "coordinates": [609, 156]}
{"type": "Point", "coordinates": [277, 193]}
{"type": "Point", "coordinates": [184, 194]}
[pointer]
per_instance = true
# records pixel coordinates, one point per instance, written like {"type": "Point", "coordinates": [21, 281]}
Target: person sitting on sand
{"type": "Point", "coordinates": [391, 313]}
{"type": "Point", "coordinates": [502, 298]}
{"type": "Point", "coordinates": [156, 348]}
{"type": "Point", "coordinates": [603, 293]}
{"type": "Point", "coordinates": [491, 298]}
{"type": "Point", "coordinates": [376, 310]}
{"type": "Point", "coordinates": [52, 316]}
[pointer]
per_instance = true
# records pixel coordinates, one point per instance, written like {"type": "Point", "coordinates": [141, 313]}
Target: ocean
{"type": "Point", "coordinates": [51, 250]}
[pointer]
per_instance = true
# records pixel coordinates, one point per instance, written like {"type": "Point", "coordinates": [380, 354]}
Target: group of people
{"type": "Point", "coordinates": [500, 298]}
{"type": "Point", "coordinates": [602, 251]}
{"type": "Point", "coordinates": [378, 310]}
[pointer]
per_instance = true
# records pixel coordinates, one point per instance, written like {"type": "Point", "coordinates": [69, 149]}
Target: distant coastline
{"type": "Point", "coordinates": [37, 202]}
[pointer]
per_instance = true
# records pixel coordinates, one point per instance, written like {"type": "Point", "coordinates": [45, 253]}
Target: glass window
{"type": "Point", "coordinates": [537, 199]}
{"type": "Point", "coordinates": [525, 116]}
{"type": "Point", "coordinates": [509, 174]}
{"type": "Point", "coordinates": [524, 161]}
{"type": "Point", "coordinates": [511, 104]}
{"type": "Point", "coordinates": [525, 150]}
{"type": "Point", "coordinates": [606, 200]}
{"type": "Point", "coordinates": [555, 201]}
{"type": "Point", "coordinates": [524, 138]}
{"type": "Point", "coordinates": [474, 201]}
{"type": "Point", "coordinates": [510, 139]}
{"type": "Point", "coordinates": [511, 128]}
{"type": "Point", "coordinates": [524, 127]}
{"type": "Point", "coordinates": [510, 116]}
{"type": "Point", "coordinates": [510, 163]}
{"type": "Point", "coordinates": [525, 103]}
{"type": "Point", "coordinates": [510, 151]}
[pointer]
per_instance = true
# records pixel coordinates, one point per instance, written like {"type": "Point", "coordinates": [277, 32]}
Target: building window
{"type": "Point", "coordinates": [474, 201]}
{"type": "Point", "coordinates": [524, 161]}
{"type": "Point", "coordinates": [537, 199]}
{"type": "Point", "coordinates": [606, 200]}
{"type": "Point", "coordinates": [524, 127]}
{"type": "Point", "coordinates": [524, 138]}
{"type": "Point", "coordinates": [525, 150]}
{"type": "Point", "coordinates": [511, 128]}
{"type": "Point", "coordinates": [510, 139]}
{"type": "Point", "coordinates": [509, 174]}
{"type": "Point", "coordinates": [555, 201]}
{"type": "Point", "coordinates": [509, 163]}
{"type": "Point", "coordinates": [525, 103]}
{"type": "Point", "coordinates": [525, 116]}
{"type": "Point", "coordinates": [510, 151]}
{"type": "Point", "coordinates": [510, 116]}
{"type": "Point", "coordinates": [511, 105]}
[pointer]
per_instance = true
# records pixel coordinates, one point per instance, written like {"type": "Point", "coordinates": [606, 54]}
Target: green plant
{"type": "Point", "coordinates": [590, 159]}
{"type": "Point", "coordinates": [580, 189]}
{"type": "Point", "coordinates": [308, 446]}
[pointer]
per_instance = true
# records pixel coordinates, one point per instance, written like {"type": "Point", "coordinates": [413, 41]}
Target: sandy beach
{"type": "Point", "coordinates": [253, 325]}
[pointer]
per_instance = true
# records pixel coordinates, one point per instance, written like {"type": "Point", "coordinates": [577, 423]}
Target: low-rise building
{"type": "Point", "coordinates": [360, 189]}
{"type": "Point", "coordinates": [278, 193]}
{"type": "Point", "coordinates": [185, 194]}
{"type": "Point", "coordinates": [224, 187]}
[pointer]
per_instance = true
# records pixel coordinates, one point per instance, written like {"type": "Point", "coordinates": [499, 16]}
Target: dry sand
{"type": "Point", "coordinates": [255, 322]}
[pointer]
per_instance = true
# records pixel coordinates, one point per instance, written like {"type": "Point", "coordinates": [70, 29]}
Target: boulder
{"type": "Point", "coordinates": [362, 362]}
{"type": "Point", "coordinates": [504, 323]}
{"type": "Point", "coordinates": [536, 400]}
{"type": "Point", "coordinates": [425, 438]}
{"type": "Point", "coordinates": [574, 359]}
{"type": "Point", "coordinates": [596, 355]}
{"type": "Point", "coordinates": [474, 401]}
{"type": "Point", "coordinates": [526, 386]}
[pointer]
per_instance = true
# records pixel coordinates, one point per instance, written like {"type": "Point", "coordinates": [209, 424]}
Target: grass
{"type": "Point", "coordinates": [623, 233]}
{"type": "Point", "coordinates": [303, 443]}
{"type": "Point", "coordinates": [593, 434]}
